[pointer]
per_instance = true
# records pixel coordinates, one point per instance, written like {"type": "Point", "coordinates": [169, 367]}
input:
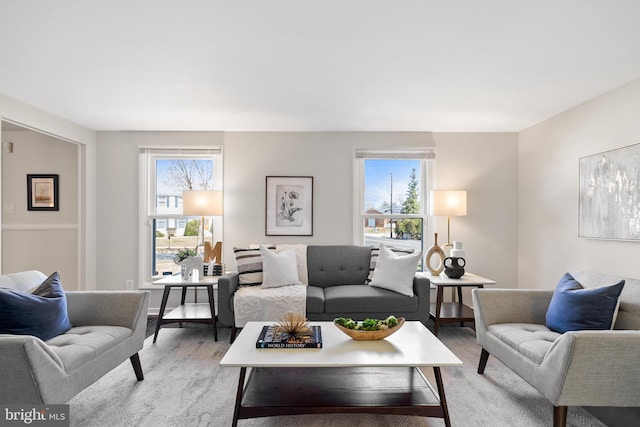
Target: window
{"type": "Point", "coordinates": [164, 175]}
{"type": "Point", "coordinates": [390, 202]}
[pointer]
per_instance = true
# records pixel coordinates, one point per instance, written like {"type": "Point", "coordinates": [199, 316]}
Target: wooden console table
{"type": "Point", "coordinates": [453, 312]}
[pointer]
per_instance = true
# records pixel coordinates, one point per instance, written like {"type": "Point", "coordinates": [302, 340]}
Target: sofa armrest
{"type": "Point", "coordinates": [111, 308]}
{"type": "Point", "coordinates": [592, 368]}
{"type": "Point", "coordinates": [493, 306]}
{"type": "Point", "coordinates": [227, 286]}
{"type": "Point", "coordinates": [422, 289]}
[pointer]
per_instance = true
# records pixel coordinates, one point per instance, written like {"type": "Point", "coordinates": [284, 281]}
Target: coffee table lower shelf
{"type": "Point", "coordinates": [290, 391]}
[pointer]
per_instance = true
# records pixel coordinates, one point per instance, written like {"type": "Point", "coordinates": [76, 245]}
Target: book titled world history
{"type": "Point", "coordinates": [270, 338]}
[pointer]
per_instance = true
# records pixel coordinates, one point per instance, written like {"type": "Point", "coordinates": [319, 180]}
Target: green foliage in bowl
{"type": "Point", "coordinates": [367, 324]}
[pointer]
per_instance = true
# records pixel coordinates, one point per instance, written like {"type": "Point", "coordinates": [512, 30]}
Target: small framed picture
{"type": "Point", "coordinates": [289, 206]}
{"type": "Point", "coordinates": [42, 192]}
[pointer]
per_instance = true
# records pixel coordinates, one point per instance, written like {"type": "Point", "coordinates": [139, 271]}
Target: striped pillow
{"type": "Point", "coordinates": [375, 252]}
{"type": "Point", "coordinates": [249, 265]}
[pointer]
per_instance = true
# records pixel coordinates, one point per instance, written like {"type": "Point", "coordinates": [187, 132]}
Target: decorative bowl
{"type": "Point", "coordinates": [360, 335]}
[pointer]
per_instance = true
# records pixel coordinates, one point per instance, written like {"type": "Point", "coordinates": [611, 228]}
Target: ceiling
{"type": "Point", "coordinates": [296, 65]}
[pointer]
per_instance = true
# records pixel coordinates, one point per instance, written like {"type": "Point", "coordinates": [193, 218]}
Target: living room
{"type": "Point", "coordinates": [521, 177]}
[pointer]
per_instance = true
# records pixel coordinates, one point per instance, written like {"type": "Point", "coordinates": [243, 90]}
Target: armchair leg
{"type": "Point", "coordinates": [560, 416]}
{"type": "Point", "coordinates": [234, 331]}
{"type": "Point", "coordinates": [137, 367]}
{"type": "Point", "coordinates": [484, 357]}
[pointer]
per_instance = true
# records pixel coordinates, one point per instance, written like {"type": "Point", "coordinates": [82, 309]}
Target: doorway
{"type": "Point", "coordinates": [39, 239]}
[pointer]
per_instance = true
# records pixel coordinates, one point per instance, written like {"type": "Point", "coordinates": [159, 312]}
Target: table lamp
{"type": "Point", "coordinates": [448, 203]}
{"type": "Point", "coordinates": [205, 203]}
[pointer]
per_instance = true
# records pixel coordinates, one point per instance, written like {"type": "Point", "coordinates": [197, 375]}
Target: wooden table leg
{"type": "Point", "coordinates": [439, 298]}
{"type": "Point", "coordinates": [163, 306]}
{"type": "Point", "coordinates": [239, 393]}
{"type": "Point", "coordinates": [213, 312]}
{"type": "Point", "coordinates": [443, 399]}
{"type": "Point", "coordinates": [460, 299]}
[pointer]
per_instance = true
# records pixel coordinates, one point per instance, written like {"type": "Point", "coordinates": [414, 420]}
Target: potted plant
{"type": "Point", "coordinates": [184, 254]}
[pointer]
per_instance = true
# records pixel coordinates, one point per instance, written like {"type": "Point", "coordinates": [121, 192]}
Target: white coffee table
{"type": "Point", "coordinates": [345, 376]}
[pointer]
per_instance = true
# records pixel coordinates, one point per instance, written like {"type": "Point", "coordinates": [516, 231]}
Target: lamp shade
{"type": "Point", "coordinates": [448, 203]}
{"type": "Point", "coordinates": [202, 203]}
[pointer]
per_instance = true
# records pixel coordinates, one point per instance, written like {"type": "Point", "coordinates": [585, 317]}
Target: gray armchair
{"type": "Point", "coordinates": [107, 329]}
{"type": "Point", "coordinates": [578, 368]}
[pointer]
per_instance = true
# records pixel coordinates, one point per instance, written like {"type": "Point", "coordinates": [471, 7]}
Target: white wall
{"type": "Point", "coordinates": [484, 164]}
{"type": "Point", "coordinates": [30, 117]}
{"type": "Point", "coordinates": [548, 189]}
{"type": "Point", "coordinates": [118, 200]}
{"type": "Point", "coordinates": [327, 156]}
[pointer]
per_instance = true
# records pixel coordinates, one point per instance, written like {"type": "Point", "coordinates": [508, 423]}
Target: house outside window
{"type": "Point", "coordinates": [391, 203]}
{"type": "Point", "coordinates": [164, 230]}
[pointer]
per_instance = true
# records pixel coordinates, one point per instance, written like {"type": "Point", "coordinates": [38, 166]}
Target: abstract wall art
{"type": "Point", "coordinates": [609, 205]}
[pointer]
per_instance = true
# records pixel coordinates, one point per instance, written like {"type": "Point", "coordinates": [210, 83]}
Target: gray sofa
{"type": "Point", "coordinates": [337, 276]}
{"type": "Point", "coordinates": [577, 368]}
{"type": "Point", "coordinates": [107, 329]}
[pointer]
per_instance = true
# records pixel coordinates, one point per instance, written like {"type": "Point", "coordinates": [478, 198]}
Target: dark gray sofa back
{"type": "Point", "coordinates": [338, 265]}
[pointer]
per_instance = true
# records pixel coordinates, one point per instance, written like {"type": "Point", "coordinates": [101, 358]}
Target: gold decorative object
{"type": "Point", "coordinates": [294, 325]}
{"type": "Point", "coordinates": [435, 251]}
{"type": "Point", "coordinates": [360, 335]}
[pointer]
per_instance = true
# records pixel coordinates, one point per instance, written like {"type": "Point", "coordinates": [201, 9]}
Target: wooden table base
{"type": "Point", "coordinates": [289, 391]}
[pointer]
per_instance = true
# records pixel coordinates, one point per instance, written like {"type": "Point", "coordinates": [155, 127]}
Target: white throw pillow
{"type": "Point", "coordinates": [301, 257]}
{"type": "Point", "coordinates": [395, 272]}
{"type": "Point", "coordinates": [278, 269]}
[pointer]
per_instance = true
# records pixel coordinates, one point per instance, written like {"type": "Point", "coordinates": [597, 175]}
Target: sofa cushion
{"type": "Point", "coordinates": [249, 265]}
{"type": "Point", "coordinates": [42, 313]}
{"type": "Point", "coordinates": [366, 299]}
{"type": "Point", "coordinates": [338, 265]}
{"type": "Point", "coordinates": [301, 259]}
{"type": "Point", "coordinates": [22, 280]}
{"type": "Point", "coordinates": [315, 299]}
{"type": "Point", "coordinates": [278, 269]}
{"type": "Point", "coordinates": [375, 253]}
{"type": "Point", "coordinates": [395, 272]}
{"type": "Point", "coordinates": [82, 344]}
{"type": "Point", "coordinates": [574, 308]}
{"type": "Point", "coordinates": [531, 340]}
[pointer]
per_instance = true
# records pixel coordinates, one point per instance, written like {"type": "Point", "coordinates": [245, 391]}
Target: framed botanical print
{"type": "Point", "coordinates": [289, 206]}
{"type": "Point", "coordinates": [42, 192]}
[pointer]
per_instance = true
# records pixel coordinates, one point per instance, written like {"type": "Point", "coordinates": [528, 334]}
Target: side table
{"type": "Point", "coordinates": [453, 312]}
{"type": "Point", "coordinates": [187, 312]}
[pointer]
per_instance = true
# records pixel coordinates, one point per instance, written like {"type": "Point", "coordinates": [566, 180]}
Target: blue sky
{"type": "Point", "coordinates": [378, 180]}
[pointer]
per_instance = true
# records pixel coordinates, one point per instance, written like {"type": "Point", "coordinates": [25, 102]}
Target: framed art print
{"type": "Point", "coordinates": [42, 192]}
{"type": "Point", "coordinates": [609, 200]}
{"type": "Point", "coordinates": [289, 206]}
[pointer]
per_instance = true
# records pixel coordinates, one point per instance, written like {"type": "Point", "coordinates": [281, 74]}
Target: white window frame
{"type": "Point", "coordinates": [147, 189]}
{"type": "Point", "coordinates": [426, 156]}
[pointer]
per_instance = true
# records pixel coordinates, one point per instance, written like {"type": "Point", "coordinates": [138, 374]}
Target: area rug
{"type": "Point", "coordinates": [185, 386]}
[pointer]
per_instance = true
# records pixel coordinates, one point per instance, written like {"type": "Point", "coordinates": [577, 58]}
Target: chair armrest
{"type": "Point", "coordinates": [227, 286]}
{"type": "Point", "coordinates": [493, 306]}
{"type": "Point", "coordinates": [111, 308]}
{"type": "Point", "coordinates": [26, 362]}
{"type": "Point", "coordinates": [593, 368]}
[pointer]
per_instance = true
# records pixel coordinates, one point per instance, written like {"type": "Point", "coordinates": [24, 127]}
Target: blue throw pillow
{"type": "Point", "coordinates": [42, 313]}
{"type": "Point", "coordinates": [574, 308]}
